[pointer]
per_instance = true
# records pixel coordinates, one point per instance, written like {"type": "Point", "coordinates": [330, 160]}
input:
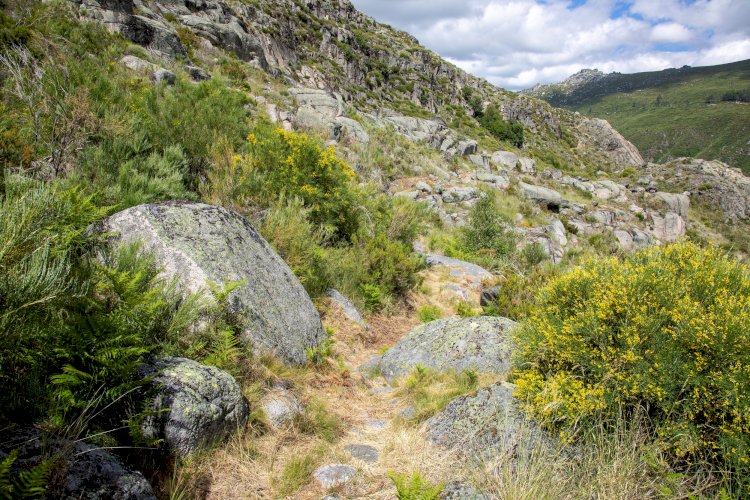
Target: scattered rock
{"type": "Point", "coordinates": [407, 412]}
{"type": "Point", "coordinates": [164, 75]}
{"type": "Point", "coordinates": [527, 166]}
{"type": "Point", "coordinates": [423, 186]}
{"type": "Point", "coordinates": [195, 405]}
{"type": "Point", "coordinates": [459, 194]}
{"type": "Point", "coordinates": [333, 475]}
{"type": "Point", "coordinates": [281, 407]}
{"type": "Point", "coordinates": [376, 423]}
{"type": "Point", "coordinates": [482, 343]}
{"type": "Point", "coordinates": [465, 148]}
{"type": "Point", "coordinates": [198, 243]}
{"type": "Point", "coordinates": [364, 452]}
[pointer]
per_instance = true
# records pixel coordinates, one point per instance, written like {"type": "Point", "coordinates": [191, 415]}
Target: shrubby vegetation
{"type": "Point", "coordinates": [664, 332]}
{"type": "Point", "coordinates": [82, 138]}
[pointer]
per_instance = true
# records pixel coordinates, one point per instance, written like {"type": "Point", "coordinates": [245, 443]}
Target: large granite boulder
{"type": "Point", "coordinates": [199, 243]}
{"type": "Point", "coordinates": [548, 197]}
{"type": "Point", "coordinates": [482, 343]}
{"type": "Point", "coordinates": [195, 405]}
{"type": "Point", "coordinates": [678, 203]}
{"type": "Point", "coordinates": [486, 424]}
{"type": "Point", "coordinates": [82, 470]}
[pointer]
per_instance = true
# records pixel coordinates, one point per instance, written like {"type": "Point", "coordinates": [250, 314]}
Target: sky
{"type": "Point", "coordinates": [518, 43]}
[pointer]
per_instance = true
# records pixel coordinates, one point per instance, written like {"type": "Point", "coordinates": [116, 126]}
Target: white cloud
{"type": "Point", "coordinates": [670, 33]}
{"type": "Point", "coordinates": [517, 43]}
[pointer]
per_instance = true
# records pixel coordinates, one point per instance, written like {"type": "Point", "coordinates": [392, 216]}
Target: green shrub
{"type": "Point", "coordinates": [488, 231]}
{"type": "Point", "coordinates": [414, 487]}
{"type": "Point", "coordinates": [665, 330]}
{"type": "Point", "coordinates": [511, 131]}
{"type": "Point", "coordinates": [428, 313]}
{"type": "Point", "coordinates": [465, 310]}
{"type": "Point", "coordinates": [430, 391]}
{"type": "Point", "coordinates": [534, 254]}
{"type": "Point", "coordinates": [517, 292]}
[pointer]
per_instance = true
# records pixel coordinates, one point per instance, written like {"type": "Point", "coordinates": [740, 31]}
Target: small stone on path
{"type": "Point", "coordinates": [364, 452]}
{"type": "Point", "coordinates": [332, 475]}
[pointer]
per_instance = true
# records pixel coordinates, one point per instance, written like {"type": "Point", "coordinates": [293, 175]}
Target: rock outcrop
{"type": "Point", "coordinates": [482, 343]}
{"type": "Point", "coordinates": [485, 424]}
{"type": "Point", "coordinates": [618, 149]}
{"type": "Point", "coordinates": [195, 405]}
{"type": "Point", "coordinates": [198, 243]}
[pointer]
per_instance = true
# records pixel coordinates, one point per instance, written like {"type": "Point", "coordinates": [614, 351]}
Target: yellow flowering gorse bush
{"type": "Point", "coordinates": [666, 330]}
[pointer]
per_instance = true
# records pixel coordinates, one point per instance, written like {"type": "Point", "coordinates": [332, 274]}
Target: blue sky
{"type": "Point", "coordinates": [518, 43]}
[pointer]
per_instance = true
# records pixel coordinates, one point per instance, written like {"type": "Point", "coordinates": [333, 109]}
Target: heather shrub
{"type": "Point", "coordinates": [666, 331]}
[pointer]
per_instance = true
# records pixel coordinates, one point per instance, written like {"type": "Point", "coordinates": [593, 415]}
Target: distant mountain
{"type": "Point", "coordinates": [702, 112]}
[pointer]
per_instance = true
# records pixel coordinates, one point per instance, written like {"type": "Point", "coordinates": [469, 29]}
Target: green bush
{"type": "Point", "coordinates": [511, 131]}
{"type": "Point", "coordinates": [428, 313]}
{"type": "Point", "coordinates": [665, 331]}
{"type": "Point", "coordinates": [488, 231]}
{"type": "Point", "coordinates": [517, 292]}
{"type": "Point", "coordinates": [534, 254]}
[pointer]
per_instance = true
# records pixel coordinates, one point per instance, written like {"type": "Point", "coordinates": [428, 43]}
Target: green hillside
{"type": "Point", "coordinates": [673, 113]}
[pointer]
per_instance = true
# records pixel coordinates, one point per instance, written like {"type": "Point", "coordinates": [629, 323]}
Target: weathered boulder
{"type": "Point", "coordinates": [625, 239]}
{"type": "Point", "coordinates": [505, 158]}
{"type": "Point", "coordinates": [86, 472]}
{"type": "Point", "coordinates": [227, 32]}
{"type": "Point", "coordinates": [151, 34]}
{"type": "Point", "coordinates": [499, 181]}
{"type": "Point", "coordinates": [198, 243]}
{"type": "Point", "coordinates": [526, 165]}
{"type": "Point", "coordinates": [195, 405]}
{"type": "Point", "coordinates": [485, 424]}
{"type": "Point", "coordinates": [667, 228]}
{"type": "Point", "coordinates": [549, 197]}
{"type": "Point", "coordinates": [458, 268]}
{"type": "Point", "coordinates": [677, 203]}
{"type": "Point", "coordinates": [482, 343]}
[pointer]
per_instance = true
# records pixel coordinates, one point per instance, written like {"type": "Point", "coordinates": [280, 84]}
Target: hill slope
{"type": "Point", "coordinates": [676, 112]}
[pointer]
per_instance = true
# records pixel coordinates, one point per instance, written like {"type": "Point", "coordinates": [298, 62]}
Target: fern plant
{"type": "Point", "coordinates": [414, 487]}
{"type": "Point", "coordinates": [26, 484]}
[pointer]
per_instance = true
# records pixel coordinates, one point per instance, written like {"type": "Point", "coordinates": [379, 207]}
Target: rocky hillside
{"type": "Point", "coordinates": [700, 112]}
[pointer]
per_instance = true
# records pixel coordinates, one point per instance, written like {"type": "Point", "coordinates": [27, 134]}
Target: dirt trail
{"type": "Point", "coordinates": [366, 407]}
